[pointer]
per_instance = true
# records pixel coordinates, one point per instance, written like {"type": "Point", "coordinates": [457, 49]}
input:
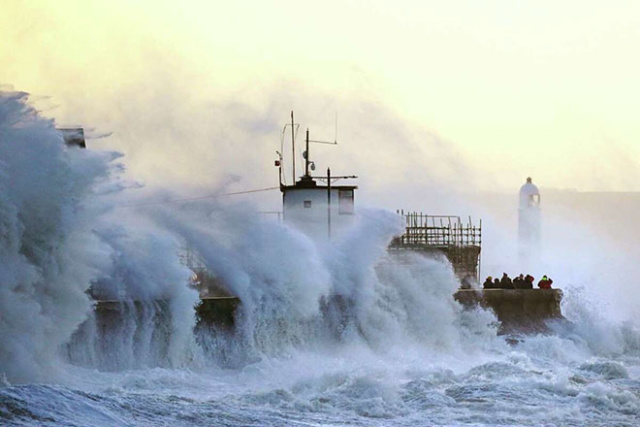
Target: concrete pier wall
{"type": "Point", "coordinates": [218, 311]}
{"type": "Point", "coordinates": [518, 310]}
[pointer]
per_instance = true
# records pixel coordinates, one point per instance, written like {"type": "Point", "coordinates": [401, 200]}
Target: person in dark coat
{"type": "Point", "coordinates": [519, 282]}
{"type": "Point", "coordinates": [505, 282]}
{"type": "Point", "coordinates": [488, 284]}
{"type": "Point", "coordinates": [528, 281]}
{"type": "Point", "coordinates": [516, 282]}
{"type": "Point", "coordinates": [496, 283]}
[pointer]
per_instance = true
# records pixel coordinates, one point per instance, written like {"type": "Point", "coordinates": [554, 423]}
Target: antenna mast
{"type": "Point", "coordinates": [293, 147]}
{"type": "Point", "coordinates": [306, 152]}
{"type": "Point", "coordinates": [306, 156]}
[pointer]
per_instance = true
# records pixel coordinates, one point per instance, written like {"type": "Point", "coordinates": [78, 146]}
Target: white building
{"type": "Point", "coordinates": [529, 223]}
{"type": "Point", "coordinates": [320, 211]}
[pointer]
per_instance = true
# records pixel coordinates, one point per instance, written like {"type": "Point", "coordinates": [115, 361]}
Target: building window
{"type": "Point", "coordinates": [307, 203]}
{"type": "Point", "coordinates": [345, 202]}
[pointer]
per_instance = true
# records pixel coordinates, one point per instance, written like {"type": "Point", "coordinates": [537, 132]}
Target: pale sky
{"type": "Point", "coordinates": [428, 93]}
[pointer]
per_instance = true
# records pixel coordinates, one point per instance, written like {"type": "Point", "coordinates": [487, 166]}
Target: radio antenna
{"type": "Point", "coordinates": [293, 147]}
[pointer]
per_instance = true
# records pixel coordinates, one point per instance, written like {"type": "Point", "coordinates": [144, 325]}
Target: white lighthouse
{"type": "Point", "coordinates": [529, 223]}
{"type": "Point", "coordinates": [313, 204]}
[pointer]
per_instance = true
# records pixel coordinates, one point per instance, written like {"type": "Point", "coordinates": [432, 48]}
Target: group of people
{"type": "Point", "coordinates": [519, 282]}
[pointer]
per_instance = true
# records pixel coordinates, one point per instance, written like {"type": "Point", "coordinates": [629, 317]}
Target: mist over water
{"type": "Point", "coordinates": [329, 333]}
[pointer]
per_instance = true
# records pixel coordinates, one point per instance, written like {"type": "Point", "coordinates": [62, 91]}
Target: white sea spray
{"type": "Point", "coordinates": [338, 333]}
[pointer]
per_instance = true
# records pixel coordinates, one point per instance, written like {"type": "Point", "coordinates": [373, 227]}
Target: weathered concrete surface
{"type": "Point", "coordinates": [131, 334]}
{"type": "Point", "coordinates": [518, 310]}
{"type": "Point", "coordinates": [217, 311]}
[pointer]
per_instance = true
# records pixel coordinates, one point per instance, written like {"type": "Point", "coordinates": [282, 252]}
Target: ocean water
{"type": "Point", "coordinates": [400, 352]}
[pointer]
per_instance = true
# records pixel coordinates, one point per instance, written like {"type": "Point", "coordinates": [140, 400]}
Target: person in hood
{"type": "Point", "coordinates": [545, 282]}
{"type": "Point", "coordinates": [519, 282]}
{"type": "Point", "coordinates": [488, 284]}
{"type": "Point", "coordinates": [505, 282]}
{"type": "Point", "coordinates": [529, 279]}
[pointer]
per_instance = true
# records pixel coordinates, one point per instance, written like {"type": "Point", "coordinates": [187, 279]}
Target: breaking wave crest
{"type": "Point", "coordinates": [48, 254]}
{"type": "Point", "coordinates": [65, 237]}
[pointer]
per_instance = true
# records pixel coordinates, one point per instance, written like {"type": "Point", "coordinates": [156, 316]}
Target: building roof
{"type": "Point", "coordinates": [309, 183]}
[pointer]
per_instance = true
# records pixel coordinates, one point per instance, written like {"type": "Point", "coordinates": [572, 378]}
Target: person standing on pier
{"type": "Point", "coordinates": [519, 282]}
{"type": "Point", "coordinates": [505, 282]}
{"type": "Point", "coordinates": [545, 282]}
{"type": "Point", "coordinates": [529, 281]}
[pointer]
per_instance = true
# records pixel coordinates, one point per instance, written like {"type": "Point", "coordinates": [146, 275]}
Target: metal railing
{"type": "Point", "coordinates": [438, 231]}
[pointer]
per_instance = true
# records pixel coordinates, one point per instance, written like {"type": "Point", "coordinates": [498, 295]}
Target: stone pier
{"type": "Point", "coordinates": [518, 310]}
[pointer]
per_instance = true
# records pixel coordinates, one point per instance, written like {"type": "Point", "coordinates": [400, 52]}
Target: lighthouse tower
{"type": "Point", "coordinates": [529, 224]}
{"type": "Point", "coordinates": [313, 204]}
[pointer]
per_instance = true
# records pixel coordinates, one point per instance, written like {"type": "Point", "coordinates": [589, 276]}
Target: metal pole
{"type": "Point", "coordinates": [306, 156]}
{"type": "Point", "coordinates": [293, 147]}
{"type": "Point", "coordinates": [480, 257]}
{"type": "Point", "coordinates": [329, 202]}
{"type": "Point", "coordinates": [280, 167]}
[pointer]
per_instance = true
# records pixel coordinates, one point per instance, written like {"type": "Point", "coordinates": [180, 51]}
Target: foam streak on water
{"type": "Point", "coordinates": [328, 334]}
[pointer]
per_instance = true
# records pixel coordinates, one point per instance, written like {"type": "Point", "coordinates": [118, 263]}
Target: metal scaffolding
{"type": "Point", "coordinates": [445, 234]}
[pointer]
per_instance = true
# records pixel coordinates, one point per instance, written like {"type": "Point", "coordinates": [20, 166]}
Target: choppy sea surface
{"type": "Point", "coordinates": [542, 380]}
{"type": "Point", "coordinates": [400, 352]}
